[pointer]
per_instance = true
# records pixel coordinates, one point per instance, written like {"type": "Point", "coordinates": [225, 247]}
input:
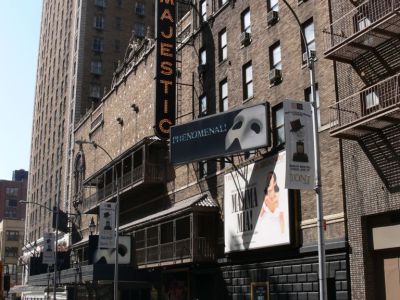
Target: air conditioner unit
{"type": "Point", "coordinates": [275, 76]}
{"type": "Point", "coordinates": [245, 38]}
{"type": "Point", "coordinates": [312, 54]}
{"type": "Point", "coordinates": [201, 69]}
{"type": "Point", "coordinates": [272, 17]}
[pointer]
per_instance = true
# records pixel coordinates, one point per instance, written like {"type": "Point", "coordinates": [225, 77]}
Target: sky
{"type": "Point", "coordinates": [19, 41]}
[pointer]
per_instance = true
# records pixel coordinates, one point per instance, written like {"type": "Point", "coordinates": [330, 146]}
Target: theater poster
{"type": "Point", "coordinates": [299, 145]}
{"type": "Point", "coordinates": [256, 206]}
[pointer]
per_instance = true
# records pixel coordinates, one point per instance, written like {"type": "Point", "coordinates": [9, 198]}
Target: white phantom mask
{"type": "Point", "coordinates": [248, 130]}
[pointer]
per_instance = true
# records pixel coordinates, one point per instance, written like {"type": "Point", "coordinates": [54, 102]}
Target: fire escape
{"type": "Point", "coordinates": [368, 38]}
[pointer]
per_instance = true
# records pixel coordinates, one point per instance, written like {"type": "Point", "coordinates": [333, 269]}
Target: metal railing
{"type": "Point", "coordinates": [366, 103]}
{"type": "Point", "coordinates": [153, 173]}
{"type": "Point", "coordinates": [176, 251]}
{"type": "Point", "coordinates": [358, 19]}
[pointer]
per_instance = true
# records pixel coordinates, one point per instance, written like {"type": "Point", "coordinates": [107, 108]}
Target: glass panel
{"type": "Point", "coordinates": [152, 236]}
{"type": "Point", "coordinates": [183, 228]}
{"type": "Point", "coordinates": [246, 22]}
{"type": "Point", "coordinates": [276, 57]}
{"type": "Point", "coordinates": [249, 73]}
{"type": "Point", "coordinates": [274, 5]}
{"type": "Point", "coordinates": [167, 232]}
{"type": "Point", "coordinates": [138, 158]}
{"type": "Point", "coordinates": [203, 57]}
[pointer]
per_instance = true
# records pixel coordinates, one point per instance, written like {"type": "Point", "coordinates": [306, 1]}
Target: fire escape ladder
{"type": "Point", "coordinates": [382, 148]}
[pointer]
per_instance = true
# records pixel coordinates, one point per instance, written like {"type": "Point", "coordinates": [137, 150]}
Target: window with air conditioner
{"type": "Point", "coordinates": [245, 36]}
{"type": "Point", "coordinates": [275, 73]}
{"type": "Point", "coordinates": [273, 9]}
{"type": "Point", "coordinates": [308, 31]}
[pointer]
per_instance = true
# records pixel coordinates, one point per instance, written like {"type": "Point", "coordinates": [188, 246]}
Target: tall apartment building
{"type": "Point", "coordinates": [81, 44]}
{"type": "Point", "coordinates": [362, 38]}
{"type": "Point", "coordinates": [231, 54]}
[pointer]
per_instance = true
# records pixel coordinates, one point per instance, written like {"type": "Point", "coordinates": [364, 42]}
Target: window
{"type": "Point", "coordinates": [100, 3]}
{"type": "Point", "coordinates": [223, 95]}
{"type": "Point", "coordinates": [139, 9]}
{"type": "Point", "coordinates": [203, 10]}
{"type": "Point", "coordinates": [98, 22]}
{"type": "Point", "coordinates": [222, 2]}
{"type": "Point", "coordinates": [95, 91]}
{"type": "Point", "coordinates": [203, 57]}
{"type": "Point", "coordinates": [12, 235]}
{"type": "Point", "coordinates": [11, 203]}
{"type": "Point", "coordinates": [308, 31]}
{"type": "Point", "coordinates": [140, 29]}
{"type": "Point", "coordinates": [308, 98]}
{"type": "Point", "coordinates": [202, 106]}
{"type": "Point", "coordinates": [273, 5]}
{"type": "Point", "coordinates": [278, 125]}
{"type": "Point", "coordinates": [118, 23]}
{"type": "Point", "coordinates": [223, 45]}
{"type": "Point", "coordinates": [95, 67]}
{"type": "Point", "coordinates": [275, 56]}
{"type": "Point", "coordinates": [202, 169]}
{"type": "Point", "coordinates": [371, 101]}
{"type": "Point", "coordinates": [247, 81]}
{"type": "Point", "coordinates": [11, 192]}
{"type": "Point", "coordinates": [98, 44]}
{"type": "Point", "coordinates": [11, 251]}
{"type": "Point", "coordinates": [246, 24]}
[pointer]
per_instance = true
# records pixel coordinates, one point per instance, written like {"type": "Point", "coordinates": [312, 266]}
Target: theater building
{"type": "Point", "coordinates": [195, 226]}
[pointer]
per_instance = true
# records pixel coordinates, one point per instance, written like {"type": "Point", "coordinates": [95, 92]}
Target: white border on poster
{"type": "Point", "coordinates": [256, 206]}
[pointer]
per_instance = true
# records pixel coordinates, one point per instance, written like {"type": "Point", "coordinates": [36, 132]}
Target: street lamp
{"type": "Point", "coordinates": [95, 145]}
{"type": "Point", "coordinates": [92, 226]}
{"type": "Point", "coordinates": [318, 185]}
{"type": "Point", "coordinates": [56, 211]}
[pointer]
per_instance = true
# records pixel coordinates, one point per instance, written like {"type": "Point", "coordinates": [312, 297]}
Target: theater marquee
{"type": "Point", "coordinates": [165, 68]}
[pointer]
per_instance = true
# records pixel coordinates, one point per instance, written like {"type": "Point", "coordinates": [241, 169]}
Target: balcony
{"type": "Point", "coordinates": [183, 233]}
{"type": "Point", "coordinates": [367, 37]}
{"type": "Point", "coordinates": [143, 166]}
{"type": "Point", "coordinates": [367, 111]}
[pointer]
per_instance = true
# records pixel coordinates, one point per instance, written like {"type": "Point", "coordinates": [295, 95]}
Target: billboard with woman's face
{"type": "Point", "coordinates": [256, 208]}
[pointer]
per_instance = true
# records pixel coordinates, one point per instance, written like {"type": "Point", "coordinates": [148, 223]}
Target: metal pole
{"type": "Point", "coordinates": [116, 240]}
{"type": "Point", "coordinates": [55, 251]}
{"type": "Point", "coordinates": [318, 185]}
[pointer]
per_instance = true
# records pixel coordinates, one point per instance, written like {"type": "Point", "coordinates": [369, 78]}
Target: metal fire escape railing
{"type": "Point", "coordinates": [365, 18]}
{"type": "Point", "coordinates": [353, 115]}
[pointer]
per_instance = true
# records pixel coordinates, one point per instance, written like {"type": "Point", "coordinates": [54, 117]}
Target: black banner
{"type": "Point", "coordinates": [222, 134]}
{"type": "Point", "coordinates": [165, 68]}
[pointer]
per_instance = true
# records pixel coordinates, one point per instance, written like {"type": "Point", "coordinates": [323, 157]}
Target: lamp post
{"type": "Point", "coordinates": [55, 211]}
{"type": "Point", "coordinates": [92, 226]}
{"type": "Point", "coordinates": [318, 185]}
{"type": "Point", "coordinates": [95, 145]}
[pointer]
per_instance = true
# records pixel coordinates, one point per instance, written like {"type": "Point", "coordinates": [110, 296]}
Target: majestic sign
{"type": "Point", "coordinates": [300, 170]}
{"type": "Point", "coordinates": [256, 206]}
{"type": "Point", "coordinates": [165, 68]}
{"type": "Point", "coordinates": [221, 134]}
{"type": "Point", "coordinates": [107, 225]}
{"type": "Point", "coordinates": [48, 249]}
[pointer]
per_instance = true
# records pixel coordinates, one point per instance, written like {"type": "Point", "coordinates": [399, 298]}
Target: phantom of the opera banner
{"type": "Point", "coordinates": [256, 206]}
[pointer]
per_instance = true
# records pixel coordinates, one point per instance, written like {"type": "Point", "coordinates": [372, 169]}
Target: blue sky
{"type": "Point", "coordinates": [19, 41]}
